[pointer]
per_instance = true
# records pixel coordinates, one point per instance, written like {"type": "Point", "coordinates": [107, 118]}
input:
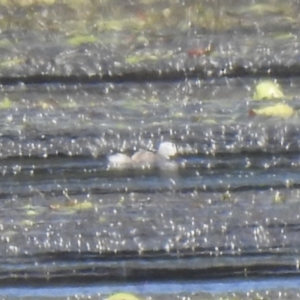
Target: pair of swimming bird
{"type": "Point", "coordinates": [165, 151]}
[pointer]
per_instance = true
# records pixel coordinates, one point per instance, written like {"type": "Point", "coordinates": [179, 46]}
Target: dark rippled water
{"type": "Point", "coordinates": [224, 224]}
{"type": "Point", "coordinates": [230, 211]}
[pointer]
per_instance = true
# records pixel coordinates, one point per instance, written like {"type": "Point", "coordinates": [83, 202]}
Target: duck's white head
{"type": "Point", "coordinates": [167, 149]}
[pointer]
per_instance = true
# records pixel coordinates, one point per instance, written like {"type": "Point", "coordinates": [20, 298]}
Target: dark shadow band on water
{"type": "Point", "coordinates": [85, 271]}
{"type": "Point", "coordinates": [146, 75]}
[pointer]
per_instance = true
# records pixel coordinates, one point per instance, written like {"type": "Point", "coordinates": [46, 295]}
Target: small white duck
{"type": "Point", "coordinates": [142, 158]}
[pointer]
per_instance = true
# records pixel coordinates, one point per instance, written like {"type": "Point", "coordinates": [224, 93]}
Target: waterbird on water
{"type": "Point", "coordinates": [165, 151]}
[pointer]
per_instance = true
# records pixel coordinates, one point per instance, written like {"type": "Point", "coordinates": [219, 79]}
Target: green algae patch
{"type": "Point", "coordinates": [119, 24]}
{"type": "Point", "coordinates": [148, 16]}
{"type": "Point", "coordinates": [72, 206]}
{"type": "Point", "coordinates": [278, 110]}
{"type": "Point", "coordinates": [102, 219]}
{"type": "Point", "coordinates": [31, 210]}
{"type": "Point", "coordinates": [27, 223]}
{"type": "Point", "coordinates": [123, 296]}
{"type": "Point", "coordinates": [269, 8]}
{"type": "Point", "coordinates": [24, 3]}
{"type": "Point", "coordinates": [226, 197]}
{"type": "Point", "coordinates": [267, 90]}
{"type": "Point", "coordinates": [6, 44]}
{"type": "Point", "coordinates": [137, 58]}
{"type": "Point", "coordinates": [11, 62]}
{"type": "Point", "coordinates": [279, 198]}
{"type": "Point", "coordinates": [86, 205]}
{"type": "Point", "coordinates": [282, 36]}
{"type": "Point", "coordinates": [6, 103]}
{"type": "Point", "coordinates": [82, 39]}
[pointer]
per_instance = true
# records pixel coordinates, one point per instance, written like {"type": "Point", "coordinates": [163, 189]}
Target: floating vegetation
{"type": "Point", "coordinates": [279, 197]}
{"type": "Point", "coordinates": [11, 62]}
{"type": "Point", "coordinates": [267, 90]}
{"type": "Point", "coordinates": [27, 223]}
{"type": "Point", "coordinates": [82, 39]}
{"type": "Point", "coordinates": [137, 58]}
{"type": "Point", "coordinates": [71, 205]}
{"type": "Point", "coordinates": [269, 8]}
{"type": "Point", "coordinates": [277, 110]}
{"type": "Point", "coordinates": [6, 103]}
{"type": "Point", "coordinates": [123, 296]}
{"type": "Point", "coordinates": [30, 2]}
{"type": "Point", "coordinates": [119, 25]}
{"type": "Point", "coordinates": [32, 210]}
{"type": "Point", "coordinates": [227, 196]}
{"type": "Point", "coordinates": [6, 44]}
